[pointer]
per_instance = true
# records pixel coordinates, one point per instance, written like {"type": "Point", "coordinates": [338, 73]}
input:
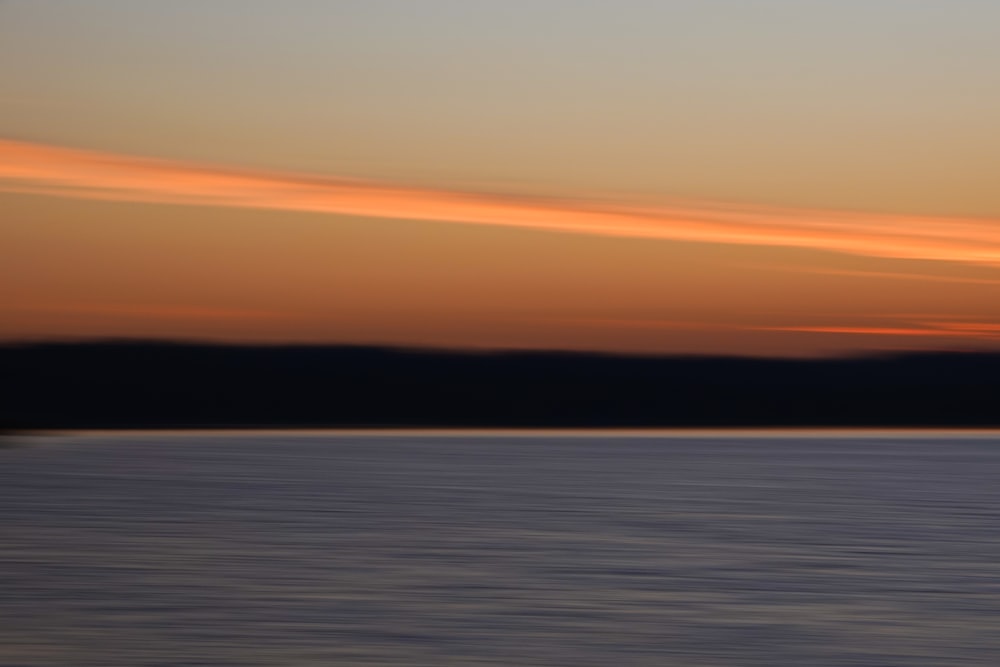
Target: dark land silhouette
{"type": "Point", "coordinates": [167, 385]}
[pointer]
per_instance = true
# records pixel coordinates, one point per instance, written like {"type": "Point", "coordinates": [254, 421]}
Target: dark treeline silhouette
{"type": "Point", "coordinates": [155, 384]}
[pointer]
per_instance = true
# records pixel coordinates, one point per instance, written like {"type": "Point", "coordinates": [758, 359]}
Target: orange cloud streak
{"type": "Point", "coordinates": [985, 328]}
{"type": "Point", "coordinates": [54, 171]}
{"type": "Point", "coordinates": [977, 332]}
{"type": "Point", "coordinates": [892, 275]}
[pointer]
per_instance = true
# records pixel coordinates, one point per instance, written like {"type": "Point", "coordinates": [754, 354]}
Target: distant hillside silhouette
{"type": "Point", "coordinates": [157, 384]}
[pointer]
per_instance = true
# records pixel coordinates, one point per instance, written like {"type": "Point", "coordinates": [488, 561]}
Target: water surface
{"type": "Point", "coordinates": [430, 549]}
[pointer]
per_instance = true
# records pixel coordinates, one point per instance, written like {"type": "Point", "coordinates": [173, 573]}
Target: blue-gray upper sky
{"type": "Point", "coordinates": [884, 104]}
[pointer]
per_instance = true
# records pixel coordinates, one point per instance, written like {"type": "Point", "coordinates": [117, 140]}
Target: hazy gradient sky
{"type": "Point", "coordinates": [724, 176]}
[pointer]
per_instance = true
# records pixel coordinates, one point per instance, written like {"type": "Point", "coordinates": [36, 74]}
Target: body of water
{"type": "Point", "coordinates": [423, 549]}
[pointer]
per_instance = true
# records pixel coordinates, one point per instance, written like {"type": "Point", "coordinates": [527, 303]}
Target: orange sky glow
{"type": "Point", "coordinates": [449, 316]}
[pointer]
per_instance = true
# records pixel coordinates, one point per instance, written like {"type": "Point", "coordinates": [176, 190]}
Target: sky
{"type": "Point", "coordinates": [748, 177]}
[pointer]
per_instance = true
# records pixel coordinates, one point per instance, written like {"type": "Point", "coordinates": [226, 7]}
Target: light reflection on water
{"type": "Point", "coordinates": [476, 549]}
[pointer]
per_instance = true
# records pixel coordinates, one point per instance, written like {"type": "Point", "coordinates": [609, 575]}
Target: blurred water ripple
{"type": "Point", "coordinates": [489, 549]}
